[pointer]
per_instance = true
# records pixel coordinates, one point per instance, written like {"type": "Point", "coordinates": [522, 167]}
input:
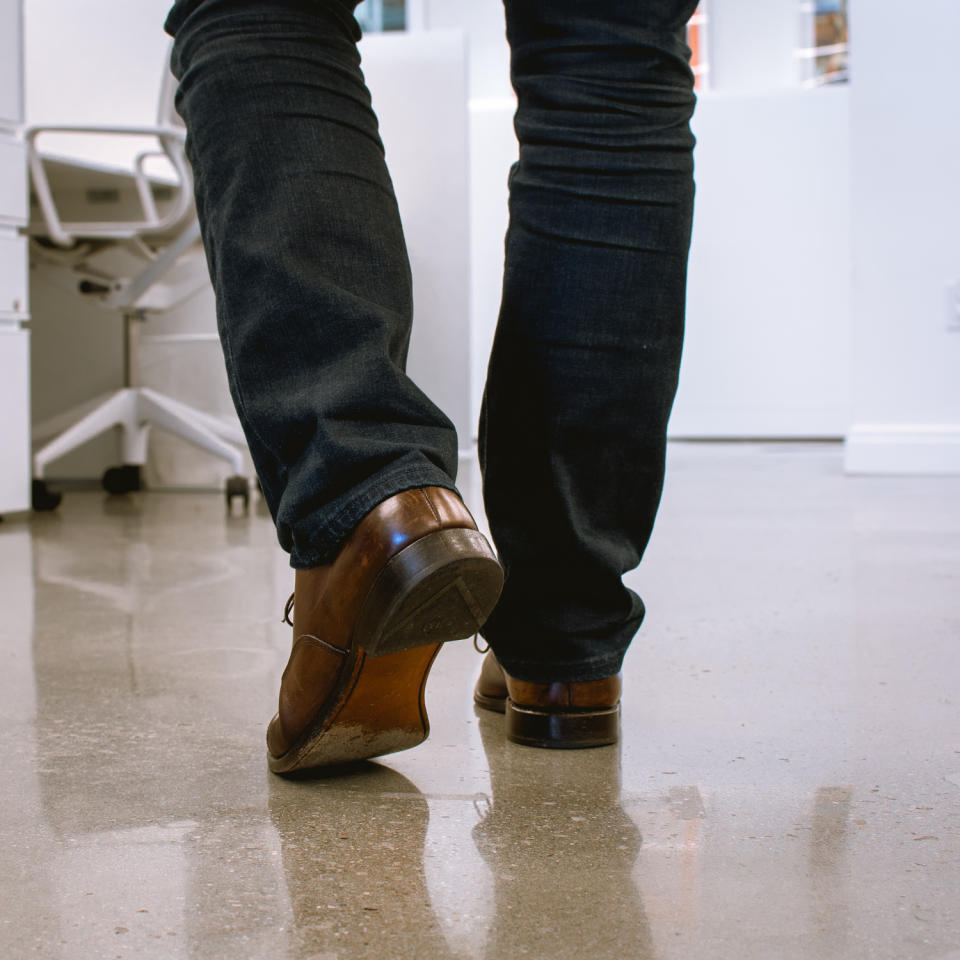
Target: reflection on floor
{"type": "Point", "coordinates": [788, 785]}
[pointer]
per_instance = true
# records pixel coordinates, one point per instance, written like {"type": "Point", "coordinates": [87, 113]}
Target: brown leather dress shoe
{"type": "Point", "coordinates": [584, 713]}
{"type": "Point", "coordinates": [414, 574]}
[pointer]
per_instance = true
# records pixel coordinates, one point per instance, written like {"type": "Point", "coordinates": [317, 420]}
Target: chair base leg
{"type": "Point", "coordinates": [43, 498]}
{"type": "Point", "coordinates": [135, 410]}
{"type": "Point", "coordinates": [124, 479]}
{"type": "Point", "coordinates": [238, 486]}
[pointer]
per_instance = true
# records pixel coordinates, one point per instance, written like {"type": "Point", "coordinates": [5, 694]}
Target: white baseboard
{"type": "Point", "coordinates": [907, 448]}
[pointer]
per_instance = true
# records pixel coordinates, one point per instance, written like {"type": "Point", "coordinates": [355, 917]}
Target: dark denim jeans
{"type": "Point", "coordinates": [307, 257]}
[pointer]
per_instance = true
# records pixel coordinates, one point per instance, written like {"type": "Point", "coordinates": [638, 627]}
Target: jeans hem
{"type": "Point", "coordinates": [562, 671]}
{"type": "Point", "coordinates": [327, 537]}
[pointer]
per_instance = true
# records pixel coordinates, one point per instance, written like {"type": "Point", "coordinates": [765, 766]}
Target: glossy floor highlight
{"type": "Point", "coordinates": [788, 784]}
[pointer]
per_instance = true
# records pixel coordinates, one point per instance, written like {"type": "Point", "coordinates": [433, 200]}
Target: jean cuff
{"type": "Point", "coordinates": [317, 542]}
{"type": "Point", "coordinates": [561, 671]}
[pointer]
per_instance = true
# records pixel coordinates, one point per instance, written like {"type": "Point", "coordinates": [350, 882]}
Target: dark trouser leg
{"type": "Point", "coordinates": [308, 261]}
{"type": "Point", "coordinates": [587, 351]}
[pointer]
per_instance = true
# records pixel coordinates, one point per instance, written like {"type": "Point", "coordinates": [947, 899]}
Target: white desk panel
{"type": "Point", "coordinates": [11, 59]}
{"type": "Point", "coordinates": [14, 298]}
{"type": "Point", "coordinates": [13, 182]}
{"type": "Point", "coordinates": [418, 82]}
{"type": "Point", "coordinates": [14, 419]}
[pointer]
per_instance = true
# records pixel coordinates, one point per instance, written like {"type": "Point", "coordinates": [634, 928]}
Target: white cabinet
{"type": "Point", "coordinates": [13, 181]}
{"type": "Point", "coordinates": [14, 311]}
{"type": "Point", "coordinates": [13, 214]}
{"type": "Point", "coordinates": [13, 278]}
{"type": "Point", "coordinates": [11, 63]}
{"type": "Point", "coordinates": [14, 419]}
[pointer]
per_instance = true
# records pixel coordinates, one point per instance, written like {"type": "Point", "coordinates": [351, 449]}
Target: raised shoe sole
{"type": "Point", "coordinates": [441, 587]}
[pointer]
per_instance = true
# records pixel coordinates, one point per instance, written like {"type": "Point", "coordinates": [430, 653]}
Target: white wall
{"type": "Point", "coordinates": [482, 22]}
{"type": "Point", "coordinates": [906, 217]}
{"type": "Point", "coordinates": [797, 190]}
{"type": "Point", "coordinates": [96, 62]}
{"type": "Point", "coordinates": [102, 63]}
{"type": "Point", "coordinates": [768, 346]}
{"type": "Point", "coordinates": [752, 45]}
{"type": "Point", "coordinates": [418, 82]}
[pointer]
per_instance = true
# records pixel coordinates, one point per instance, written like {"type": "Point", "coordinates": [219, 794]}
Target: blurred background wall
{"type": "Point", "coordinates": [825, 241]}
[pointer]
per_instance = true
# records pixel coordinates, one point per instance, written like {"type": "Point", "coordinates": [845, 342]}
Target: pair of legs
{"type": "Point", "coordinates": [308, 261]}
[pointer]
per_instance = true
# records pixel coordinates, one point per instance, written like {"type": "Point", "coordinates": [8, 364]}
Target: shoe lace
{"type": "Point", "coordinates": [288, 609]}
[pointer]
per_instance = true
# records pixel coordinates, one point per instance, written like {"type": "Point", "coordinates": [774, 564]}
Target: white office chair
{"type": "Point", "coordinates": [156, 241]}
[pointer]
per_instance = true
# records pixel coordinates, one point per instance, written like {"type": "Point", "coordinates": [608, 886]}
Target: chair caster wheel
{"type": "Point", "coordinates": [125, 479]}
{"type": "Point", "coordinates": [238, 487]}
{"type": "Point", "coordinates": [43, 497]}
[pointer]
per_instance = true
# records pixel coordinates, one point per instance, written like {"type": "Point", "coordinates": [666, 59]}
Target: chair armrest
{"type": "Point", "coordinates": [31, 131]}
{"type": "Point", "coordinates": [171, 141]}
{"type": "Point", "coordinates": [143, 182]}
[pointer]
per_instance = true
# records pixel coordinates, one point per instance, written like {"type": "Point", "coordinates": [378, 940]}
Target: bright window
{"type": "Point", "coordinates": [697, 41]}
{"type": "Point", "coordinates": [376, 16]}
{"type": "Point", "coordinates": [825, 45]}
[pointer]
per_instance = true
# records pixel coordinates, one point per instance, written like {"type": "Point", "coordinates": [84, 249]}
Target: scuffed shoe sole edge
{"type": "Point", "coordinates": [353, 729]}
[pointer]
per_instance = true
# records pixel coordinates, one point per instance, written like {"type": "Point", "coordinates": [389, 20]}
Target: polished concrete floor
{"type": "Point", "coordinates": [788, 784]}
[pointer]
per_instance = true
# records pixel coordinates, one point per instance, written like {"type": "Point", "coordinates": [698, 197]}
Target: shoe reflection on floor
{"type": "Point", "coordinates": [562, 851]}
{"type": "Point", "coordinates": [352, 846]}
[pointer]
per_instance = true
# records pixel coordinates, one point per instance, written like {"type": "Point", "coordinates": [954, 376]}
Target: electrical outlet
{"type": "Point", "coordinates": [953, 307]}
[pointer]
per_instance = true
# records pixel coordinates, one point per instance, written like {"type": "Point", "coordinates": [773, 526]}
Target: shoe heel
{"type": "Point", "coordinates": [382, 710]}
{"type": "Point", "coordinates": [441, 587]}
{"type": "Point", "coordinates": [562, 731]}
